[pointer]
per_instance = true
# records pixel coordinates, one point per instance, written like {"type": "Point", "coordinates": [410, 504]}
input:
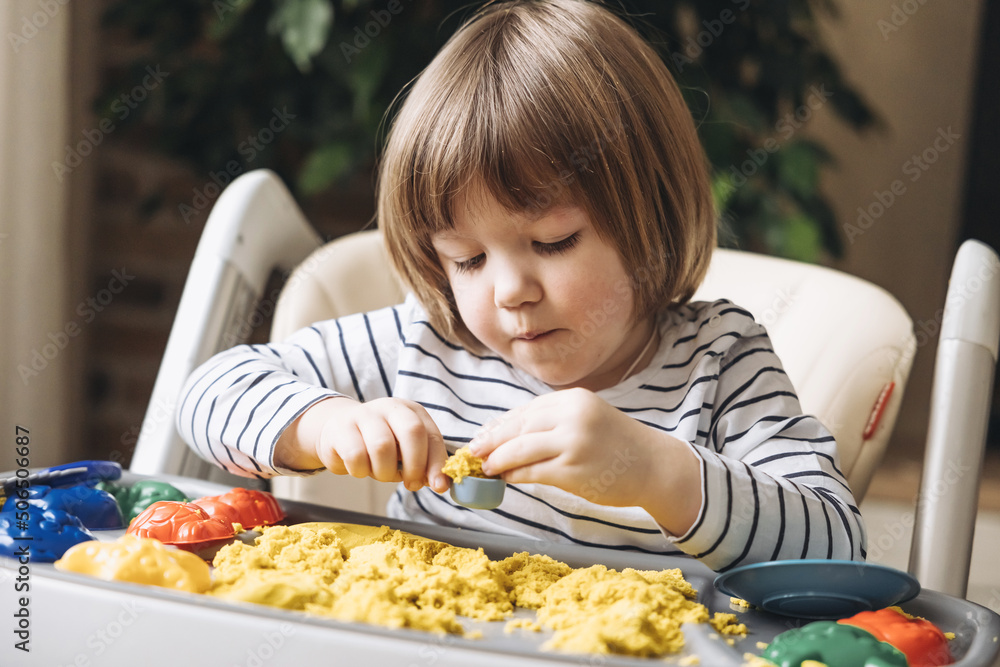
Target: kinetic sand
{"type": "Point", "coordinates": [398, 580]}
{"type": "Point", "coordinates": [463, 464]}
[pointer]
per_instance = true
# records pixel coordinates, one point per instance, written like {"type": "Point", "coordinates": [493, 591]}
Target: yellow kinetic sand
{"type": "Point", "coordinates": [395, 579]}
{"type": "Point", "coordinates": [463, 463]}
{"type": "Point", "coordinates": [139, 560]}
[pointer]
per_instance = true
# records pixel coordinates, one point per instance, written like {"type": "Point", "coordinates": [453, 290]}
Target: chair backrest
{"type": "Point", "coordinates": [846, 344]}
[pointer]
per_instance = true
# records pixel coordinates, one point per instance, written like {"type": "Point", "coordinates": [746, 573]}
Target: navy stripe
{"type": "Point", "coordinates": [832, 501]}
{"type": "Point", "coordinates": [718, 417]}
{"type": "Point", "coordinates": [274, 415]}
{"type": "Point", "coordinates": [444, 408]}
{"type": "Point", "coordinates": [781, 525]}
{"type": "Point", "coordinates": [729, 516]}
{"type": "Point", "coordinates": [737, 436]}
{"type": "Point", "coordinates": [817, 473]}
{"type": "Point", "coordinates": [378, 359]}
{"type": "Point", "coordinates": [708, 320]}
{"type": "Point", "coordinates": [805, 514]}
{"type": "Point", "coordinates": [347, 361]}
{"type": "Point", "coordinates": [786, 455]}
{"type": "Point", "coordinates": [702, 348]}
{"type": "Point", "coordinates": [312, 362]}
{"type": "Point", "coordinates": [722, 407]}
{"type": "Point", "coordinates": [461, 348]}
{"type": "Point", "coordinates": [753, 526]}
{"type": "Point", "coordinates": [706, 498]}
{"type": "Point", "coordinates": [462, 376]}
{"type": "Point", "coordinates": [253, 411]}
{"type": "Point", "coordinates": [743, 355]}
{"type": "Point", "coordinates": [584, 517]}
{"type": "Point", "coordinates": [431, 378]}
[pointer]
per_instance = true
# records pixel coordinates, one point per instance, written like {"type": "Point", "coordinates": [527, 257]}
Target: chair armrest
{"type": "Point", "coordinates": [941, 550]}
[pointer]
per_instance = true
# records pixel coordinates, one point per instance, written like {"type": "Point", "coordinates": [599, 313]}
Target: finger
{"type": "Point", "coordinates": [350, 447]}
{"type": "Point", "coordinates": [523, 450]}
{"type": "Point", "coordinates": [436, 457]}
{"type": "Point", "coordinates": [411, 437]}
{"type": "Point", "coordinates": [429, 460]}
{"type": "Point", "coordinates": [332, 461]}
{"type": "Point", "coordinates": [550, 471]}
{"type": "Point", "coordinates": [380, 446]}
{"type": "Point", "coordinates": [497, 431]}
{"type": "Point", "coordinates": [348, 437]}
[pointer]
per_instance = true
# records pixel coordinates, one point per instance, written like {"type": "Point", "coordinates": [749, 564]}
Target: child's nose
{"type": "Point", "coordinates": [514, 286]}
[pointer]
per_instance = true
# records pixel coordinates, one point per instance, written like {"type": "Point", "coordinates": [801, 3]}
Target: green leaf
{"type": "Point", "coordinates": [227, 18]}
{"type": "Point", "coordinates": [366, 75]}
{"type": "Point", "coordinates": [796, 236]}
{"type": "Point", "coordinates": [722, 190]}
{"type": "Point", "coordinates": [798, 169]}
{"type": "Point", "coordinates": [324, 166]}
{"type": "Point", "coordinates": [304, 26]}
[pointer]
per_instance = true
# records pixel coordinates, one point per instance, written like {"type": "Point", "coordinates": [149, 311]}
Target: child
{"type": "Point", "coordinates": [544, 197]}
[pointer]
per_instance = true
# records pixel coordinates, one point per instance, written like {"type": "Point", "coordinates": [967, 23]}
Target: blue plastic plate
{"type": "Point", "coordinates": [818, 589]}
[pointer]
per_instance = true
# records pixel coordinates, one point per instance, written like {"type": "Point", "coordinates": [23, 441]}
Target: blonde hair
{"type": "Point", "coordinates": [544, 102]}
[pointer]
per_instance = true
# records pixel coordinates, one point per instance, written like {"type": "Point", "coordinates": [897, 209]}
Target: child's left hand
{"type": "Point", "coordinates": [574, 440]}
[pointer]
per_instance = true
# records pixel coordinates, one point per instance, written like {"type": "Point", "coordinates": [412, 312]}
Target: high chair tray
{"type": "Point", "coordinates": [79, 620]}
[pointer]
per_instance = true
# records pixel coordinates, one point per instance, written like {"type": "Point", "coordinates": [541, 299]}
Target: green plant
{"type": "Point", "coordinates": [752, 70]}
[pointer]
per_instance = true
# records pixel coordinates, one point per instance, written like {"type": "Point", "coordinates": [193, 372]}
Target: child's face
{"type": "Point", "coordinates": [543, 291]}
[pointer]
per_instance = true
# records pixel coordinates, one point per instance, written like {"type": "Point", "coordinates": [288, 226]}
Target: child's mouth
{"type": "Point", "coordinates": [533, 335]}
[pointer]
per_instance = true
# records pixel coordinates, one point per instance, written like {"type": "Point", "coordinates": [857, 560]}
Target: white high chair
{"type": "Point", "coordinates": [846, 344]}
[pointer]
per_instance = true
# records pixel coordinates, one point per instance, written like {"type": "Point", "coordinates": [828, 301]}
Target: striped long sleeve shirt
{"type": "Point", "coordinates": [769, 473]}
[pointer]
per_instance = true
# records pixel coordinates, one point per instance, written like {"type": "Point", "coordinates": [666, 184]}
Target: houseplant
{"type": "Point", "coordinates": [754, 73]}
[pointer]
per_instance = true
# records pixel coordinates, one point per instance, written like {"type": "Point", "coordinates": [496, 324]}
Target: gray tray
{"type": "Point", "coordinates": [78, 620]}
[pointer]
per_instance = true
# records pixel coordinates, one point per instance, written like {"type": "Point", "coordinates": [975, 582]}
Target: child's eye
{"type": "Point", "coordinates": [469, 264]}
{"type": "Point", "coordinates": [559, 246]}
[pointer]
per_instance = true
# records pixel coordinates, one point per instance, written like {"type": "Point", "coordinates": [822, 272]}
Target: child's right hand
{"type": "Point", "coordinates": [367, 439]}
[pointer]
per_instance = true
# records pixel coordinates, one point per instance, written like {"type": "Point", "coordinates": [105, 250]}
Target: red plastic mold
{"type": "Point", "coordinates": [248, 507]}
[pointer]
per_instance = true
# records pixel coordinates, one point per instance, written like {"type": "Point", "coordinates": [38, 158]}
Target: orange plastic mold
{"type": "Point", "coordinates": [923, 643]}
{"type": "Point", "coordinates": [185, 525]}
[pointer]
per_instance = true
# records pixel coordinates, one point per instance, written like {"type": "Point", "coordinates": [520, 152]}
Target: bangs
{"type": "Point", "coordinates": [520, 137]}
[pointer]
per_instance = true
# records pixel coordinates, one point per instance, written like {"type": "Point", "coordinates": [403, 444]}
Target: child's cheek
{"type": "Point", "coordinates": [622, 288]}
